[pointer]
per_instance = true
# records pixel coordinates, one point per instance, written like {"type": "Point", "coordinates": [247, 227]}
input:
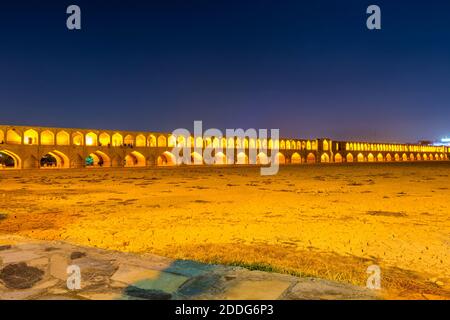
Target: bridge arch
{"type": "Point", "coordinates": [380, 157]}
{"type": "Point", "coordinates": [47, 138]}
{"type": "Point", "coordinates": [141, 141]}
{"type": "Point", "coordinates": [370, 158]}
{"type": "Point", "coordinates": [62, 138]}
{"type": "Point", "coordinates": [2, 137]}
{"type": "Point", "coordinates": [396, 157]}
{"type": "Point", "coordinates": [196, 158]}
{"type": "Point", "coordinates": [98, 159]}
{"type": "Point", "coordinates": [104, 139]}
{"type": "Point", "coordinates": [411, 157]}
{"type": "Point", "coordinates": [310, 158]}
{"type": "Point", "coordinates": [431, 157]}
{"type": "Point", "coordinates": [151, 141]}
{"type": "Point", "coordinates": [220, 158]}
{"type": "Point", "coordinates": [262, 159]}
{"type": "Point", "coordinates": [166, 159]}
{"type": "Point", "coordinates": [338, 158]}
{"type": "Point", "coordinates": [419, 157]}
{"type": "Point", "coordinates": [128, 140]}
{"type": "Point", "coordinates": [324, 158]}
{"type": "Point", "coordinates": [91, 139]}
{"type": "Point", "coordinates": [296, 158]}
{"type": "Point", "coordinates": [242, 158]}
{"type": "Point", "coordinates": [54, 159]}
{"type": "Point", "coordinates": [161, 141]}
{"type": "Point", "coordinates": [425, 157]}
{"type": "Point", "coordinates": [12, 137]}
{"type": "Point", "coordinates": [360, 158]}
{"type": "Point", "coordinates": [30, 137]}
{"type": "Point", "coordinates": [135, 159]}
{"type": "Point", "coordinates": [280, 158]}
{"type": "Point", "coordinates": [117, 140]}
{"type": "Point", "coordinates": [9, 160]}
{"type": "Point", "coordinates": [77, 139]}
{"type": "Point", "coordinates": [405, 157]}
{"type": "Point", "coordinates": [349, 157]}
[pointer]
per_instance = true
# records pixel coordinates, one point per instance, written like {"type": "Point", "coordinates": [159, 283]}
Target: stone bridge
{"type": "Point", "coordinates": [23, 147]}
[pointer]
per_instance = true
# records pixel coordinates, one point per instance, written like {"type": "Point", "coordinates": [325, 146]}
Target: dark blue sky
{"type": "Point", "coordinates": [310, 68]}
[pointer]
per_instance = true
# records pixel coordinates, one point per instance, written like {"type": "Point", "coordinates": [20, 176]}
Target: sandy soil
{"type": "Point", "coordinates": [331, 221]}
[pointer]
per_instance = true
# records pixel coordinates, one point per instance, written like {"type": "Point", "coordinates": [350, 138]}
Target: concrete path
{"type": "Point", "coordinates": [31, 269]}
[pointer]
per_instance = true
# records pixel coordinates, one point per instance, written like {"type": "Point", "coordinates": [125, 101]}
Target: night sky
{"type": "Point", "coordinates": [310, 68]}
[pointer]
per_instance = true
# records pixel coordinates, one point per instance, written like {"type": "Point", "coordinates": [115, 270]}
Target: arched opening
{"type": "Point", "coordinates": [104, 139]}
{"type": "Point", "coordinates": [55, 159]}
{"type": "Point", "coordinates": [280, 159]}
{"type": "Point", "coordinates": [370, 158]}
{"type": "Point", "coordinates": [47, 138]}
{"type": "Point", "coordinates": [396, 157]}
{"type": "Point", "coordinates": [91, 139]}
{"type": "Point", "coordinates": [349, 157]}
{"type": "Point", "coordinates": [171, 141]}
{"type": "Point", "coordinates": [388, 157]}
{"type": "Point", "coordinates": [325, 158]}
{"type": "Point", "coordinates": [338, 158]}
{"type": "Point", "coordinates": [436, 157]}
{"type": "Point", "coordinates": [220, 158]}
{"type": "Point", "coordinates": [2, 137]}
{"type": "Point", "coordinates": [151, 141]}
{"type": "Point", "coordinates": [262, 159]}
{"type": "Point", "coordinates": [411, 157]}
{"type": "Point", "coordinates": [166, 159]}
{"type": "Point", "coordinates": [360, 158]}
{"type": "Point", "coordinates": [135, 159]}
{"type": "Point", "coordinates": [419, 157]}
{"type": "Point", "coordinates": [140, 141]}
{"type": "Point", "coordinates": [442, 157]}
{"type": "Point", "coordinates": [404, 157]}
{"type": "Point", "coordinates": [295, 158]}
{"type": "Point", "coordinates": [97, 159]}
{"type": "Point", "coordinates": [9, 160]}
{"type": "Point", "coordinates": [30, 137]}
{"type": "Point", "coordinates": [242, 158]}
{"type": "Point", "coordinates": [425, 157]}
{"type": "Point", "coordinates": [325, 145]}
{"type": "Point", "coordinates": [77, 139]}
{"type": "Point", "coordinates": [12, 137]}
{"type": "Point", "coordinates": [62, 138]}
{"type": "Point", "coordinates": [196, 158]}
{"type": "Point", "coordinates": [129, 140]}
{"type": "Point", "coordinates": [311, 158]}
{"type": "Point", "coordinates": [431, 157]}
{"type": "Point", "coordinates": [380, 157]}
{"type": "Point", "coordinates": [117, 140]}
{"type": "Point", "coordinates": [161, 141]}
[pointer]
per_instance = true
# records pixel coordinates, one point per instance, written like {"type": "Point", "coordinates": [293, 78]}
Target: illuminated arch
{"type": "Point", "coordinates": [199, 142]}
{"type": "Point", "coordinates": [411, 157]}
{"type": "Point", "coordinates": [216, 143]}
{"type": "Point", "coordinates": [62, 138]}
{"type": "Point", "coordinates": [30, 137]}
{"type": "Point", "coordinates": [162, 142]}
{"type": "Point", "coordinates": [151, 140]}
{"type": "Point", "coordinates": [299, 145]}
{"type": "Point", "coordinates": [47, 138]}
{"type": "Point", "coordinates": [349, 157]}
{"type": "Point", "coordinates": [325, 145]}
{"type": "Point", "coordinates": [425, 157]}
{"type": "Point", "coordinates": [311, 158]}
{"type": "Point", "coordinates": [5, 164]}
{"type": "Point", "coordinates": [288, 145]}
{"type": "Point", "coordinates": [338, 158]}
{"type": "Point", "coordinates": [280, 158]}
{"type": "Point", "coordinates": [171, 141]}
{"type": "Point", "coordinates": [324, 158]}
{"type": "Point", "coordinates": [396, 157]}
{"type": "Point", "coordinates": [128, 140]}
{"type": "Point", "coordinates": [270, 144]}
{"type": "Point", "coordinates": [135, 159]}
{"type": "Point", "coordinates": [282, 145]}
{"type": "Point", "coordinates": [166, 159]}
{"type": "Point", "coordinates": [296, 158]}
{"type": "Point", "coordinates": [418, 157]}
{"type": "Point", "coordinates": [242, 158]}
{"type": "Point", "coordinates": [262, 158]}
{"type": "Point", "coordinates": [141, 141]}
{"type": "Point", "coordinates": [99, 159]}
{"type": "Point", "coordinates": [308, 145]}
{"type": "Point", "coordinates": [380, 157]}
{"type": "Point", "coordinates": [91, 139]}
{"type": "Point", "coordinates": [360, 157]}
{"type": "Point", "coordinates": [60, 160]}
{"type": "Point", "coordinates": [431, 157]}
{"type": "Point", "coordinates": [196, 158]}
{"type": "Point", "coordinates": [117, 140]}
{"type": "Point", "coordinates": [370, 158]}
{"type": "Point", "coordinates": [388, 157]}
{"type": "Point", "coordinates": [2, 137]}
{"type": "Point", "coordinates": [104, 139]}
{"type": "Point", "coordinates": [405, 157]}
{"type": "Point", "coordinates": [77, 139]}
{"type": "Point", "coordinates": [220, 158]}
{"type": "Point", "coordinates": [12, 137]}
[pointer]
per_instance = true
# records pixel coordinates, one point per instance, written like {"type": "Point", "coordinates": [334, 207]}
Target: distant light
{"type": "Point", "coordinates": [445, 139]}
